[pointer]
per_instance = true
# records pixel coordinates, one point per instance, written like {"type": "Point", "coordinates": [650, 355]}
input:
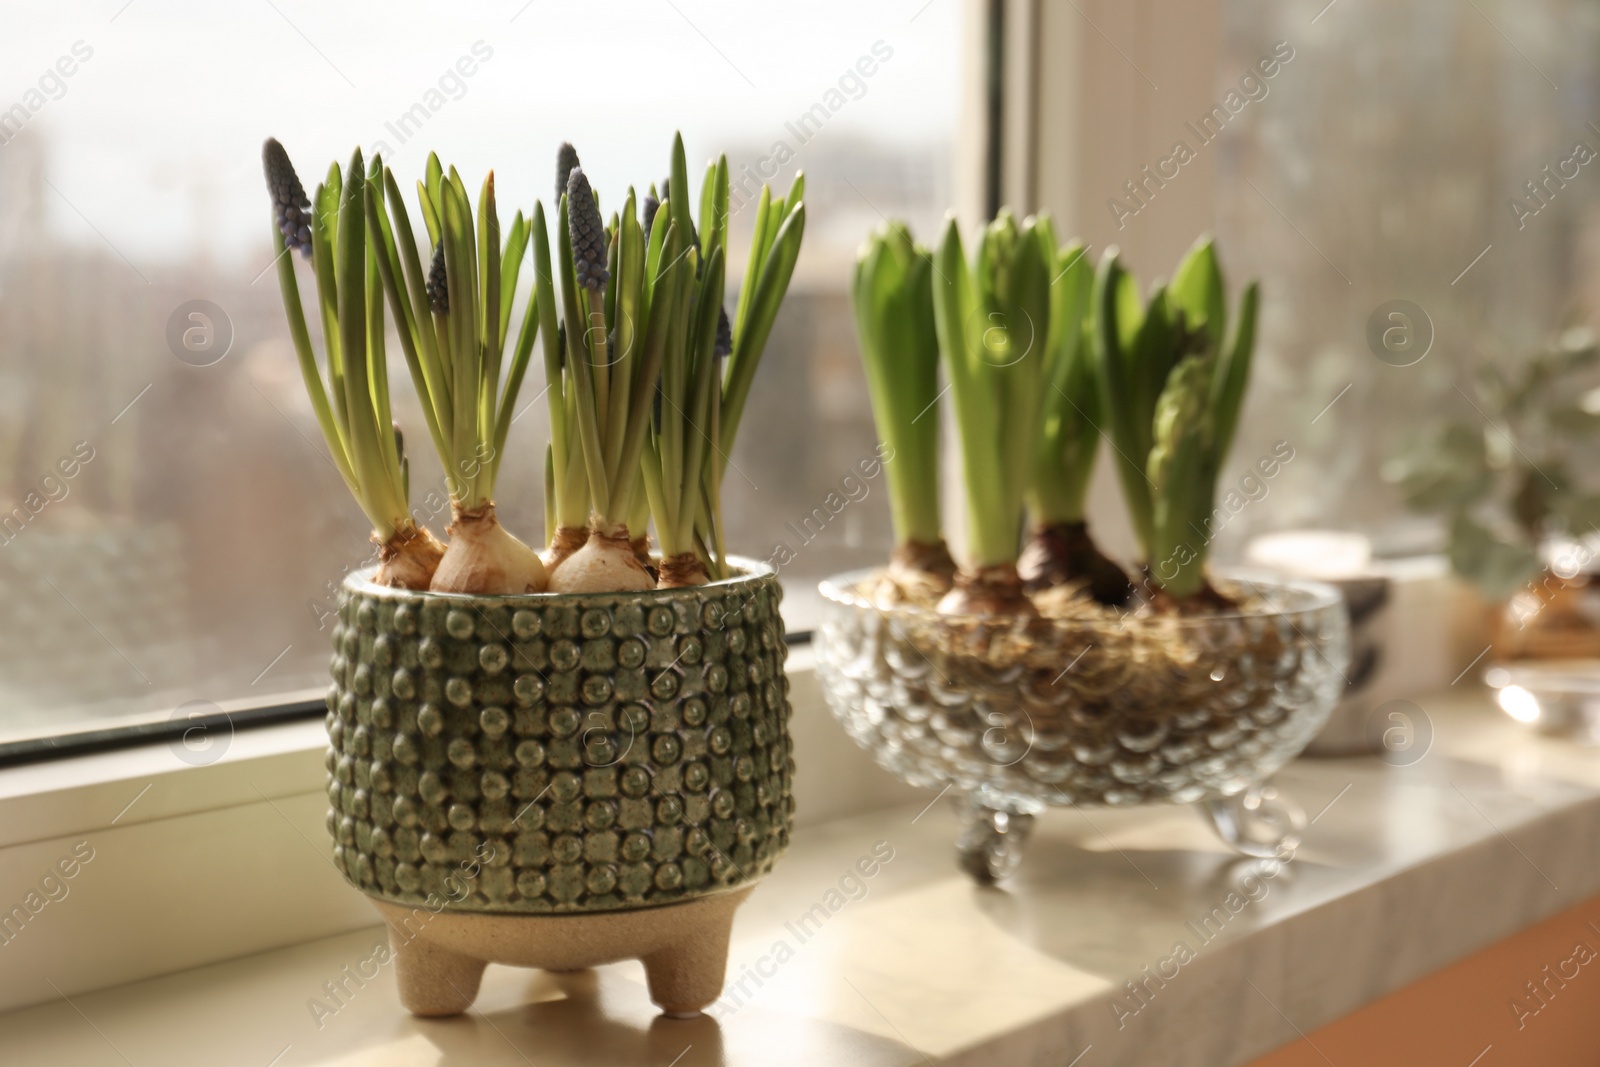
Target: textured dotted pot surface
{"type": "Point", "coordinates": [558, 754]}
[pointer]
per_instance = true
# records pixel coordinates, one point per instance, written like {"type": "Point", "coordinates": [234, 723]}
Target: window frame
{"type": "Point", "coordinates": [98, 739]}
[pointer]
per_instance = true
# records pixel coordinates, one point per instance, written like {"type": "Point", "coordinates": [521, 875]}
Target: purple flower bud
{"type": "Point", "coordinates": [724, 343]}
{"type": "Point", "coordinates": [588, 233]}
{"type": "Point", "coordinates": [566, 159]}
{"type": "Point", "coordinates": [291, 208]}
{"type": "Point", "coordinates": [438, 282]}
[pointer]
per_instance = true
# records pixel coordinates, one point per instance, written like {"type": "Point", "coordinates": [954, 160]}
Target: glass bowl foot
{"type": "Point", "coordinates": [994, 832]}
{"type": "Point", "coordinates": [1258, 822]}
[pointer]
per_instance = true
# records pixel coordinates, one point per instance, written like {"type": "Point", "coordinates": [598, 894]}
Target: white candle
{"type": "Point", "coordinates": [1326, 554]}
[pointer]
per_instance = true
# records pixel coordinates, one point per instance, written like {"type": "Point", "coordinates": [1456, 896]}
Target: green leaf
{"type": "Point", "coordinates": [1022, 381]}
{"type": "Point", "coordinates": [752, 269]}
{"type": "Point", "coordinates": [366, 451]}
{"type": "Point", "coordinates": [1151, 358]}
{"type": "Point", "coordinates": [386, 255]}
{"type": "Point", "coordinates": [771, 287]}
{"type": "Point", "coordinates": [709, 221]}
{"type": "Point", "coordinates": [1579, 512]}
{"type": "Point", "coordinates": [1182, 473]}
{"type": "Point", "coordinates": [1233, 372]}
{"type": "Point", "coordinates": [570, 499]}
{"type": "Point", "coordinates": [521, 356]}
{"type": "Point", "coordinates": [324, 257]}
{"type": "Point", "coordinates": [1069, 433]}
{"type": "Point", "coordinates": [1442, 469]}
{"type": "Point", "coordinates": [1114, 300]}
{"type": "Point", "coordinates": [1536, 495]}
{"type": "Point", "coordinates": [292, 307]}
{"type": "Point", "coordinates": [1197, 290]}
{"type": "Point", "coordinates": [962, 318]}
{"type": "Point", "coordinates": [1496, 566]}
{"type": "Point", "coordinates": [434, 356]}
{"type": "Point", "coordinates": [892, 298]}
{"type": "Point", "coordinates": [404, 280]}
{"type": "Point", "coordinates": [678, 201]}
{"type": "Point", "coordinates": [1572, 420]}
{"type": "Point", "coordinates": [702, 340]}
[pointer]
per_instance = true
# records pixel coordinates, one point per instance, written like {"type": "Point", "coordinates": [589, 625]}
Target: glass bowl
{"type": "Point", "coordinates": [1020, 714]}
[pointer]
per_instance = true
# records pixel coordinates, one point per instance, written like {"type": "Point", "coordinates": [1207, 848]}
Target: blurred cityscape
{"type": "Point", "coordinates": [195, 553]}
{"type": "Point", "coordinates": [174, 532]}
{"type": "Point", "coordinates": [1423, 213]}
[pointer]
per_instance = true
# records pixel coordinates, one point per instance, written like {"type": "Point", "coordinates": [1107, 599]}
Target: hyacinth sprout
{"type": "Point", "coordinates": [993, 321]}
{"type": "Point", "coordinates": [892, 294]}
{"type": "Point", "coordinates": [1060, 554]}
{"type": "Point", "coordinates": [1171, 384]}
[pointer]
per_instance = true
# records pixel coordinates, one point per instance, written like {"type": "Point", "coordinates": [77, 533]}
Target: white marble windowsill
{"type": "Point", "coordinates": [1405, 870]}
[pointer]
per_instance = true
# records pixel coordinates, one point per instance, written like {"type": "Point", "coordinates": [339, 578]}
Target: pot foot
{"type": "Point", "coordinates": [683, 946]}
{"type": "Point", "coordinates": [1258, 822]}
{"type": "Point", "coordinates": [433, 981]}
{"type": "Point", "coordinates": [991, 842]}
{"type": "Point", "coordinates": [686, 977]}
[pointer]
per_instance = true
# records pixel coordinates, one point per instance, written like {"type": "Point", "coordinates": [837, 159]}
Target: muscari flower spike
{"type": "Point", "coordinates": [566, 160]}
{"type": "Point", "coordinates": [651, 206]}
{"type": "Point", "coordinates": [291, 208]}
{"type": "Point", "coordinates": [588, 233]}
{"type": "Point", "coordinates": [438, 282]}
{"type": "Point", "coordinates": [724, 342]}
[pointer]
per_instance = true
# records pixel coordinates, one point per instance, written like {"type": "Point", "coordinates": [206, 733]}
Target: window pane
{"type": "Point", "coordinates": [1382, 164]}
{"type": "Point", "coordinates": [175, 530]}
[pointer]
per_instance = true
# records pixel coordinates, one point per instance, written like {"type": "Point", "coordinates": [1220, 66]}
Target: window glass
{"type": "Point", "coordinates": [1389, 160]}
{"type": "Point", "coordinates": [173, 530]}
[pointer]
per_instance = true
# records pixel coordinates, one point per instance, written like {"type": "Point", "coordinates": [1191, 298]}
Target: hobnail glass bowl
{"type": "Point", "coordinates": [1020, 714]}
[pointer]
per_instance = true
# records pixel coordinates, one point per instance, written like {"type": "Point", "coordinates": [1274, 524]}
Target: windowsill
{"type": "Point", "coordinates": [193, 865]}
{"type": "Point", "coordinates": [1402, 873]}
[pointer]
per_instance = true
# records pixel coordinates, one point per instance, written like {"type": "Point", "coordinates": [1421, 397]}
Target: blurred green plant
{"type": "Point", "coordinates": [992, 320]}
{"type": "Point", "coordinates": [1171, 382]}
{"type": "Point", "coordinates": [1501, 475]}
{"type": "Point", "coordinates": [892, 295]}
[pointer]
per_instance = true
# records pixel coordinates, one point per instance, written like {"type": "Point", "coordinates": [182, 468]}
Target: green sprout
{"type": "Point", "coordinates": [1171, 384]}
{"type": "Point", "coordinates": [1068, 439]}
{"type": "Point", "coordinates": [892, 292]}
{"type": "Point", "coordinates": [993, 323]}
{"type": "Point", "coordinates": [707, 361]}
{"type": "Point", "coordinates": [566, 485]}
{"type": "Point", "coordinates": [1060, 551]}
{"type": "Point", "coordinates": [453, 319]}
{"type": "Point", "coordinates": [352, 405]}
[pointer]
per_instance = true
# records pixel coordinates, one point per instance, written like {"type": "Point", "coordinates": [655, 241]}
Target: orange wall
{"type": "Point", "coordinates": [1451, 1017]}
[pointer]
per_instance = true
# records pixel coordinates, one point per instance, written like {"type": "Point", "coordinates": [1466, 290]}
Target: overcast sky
{"type": "Point", "coordinates": [155, 138]}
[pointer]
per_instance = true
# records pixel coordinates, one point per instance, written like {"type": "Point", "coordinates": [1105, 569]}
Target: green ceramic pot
{"type": "Point", "coordinates": [527, 755]}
